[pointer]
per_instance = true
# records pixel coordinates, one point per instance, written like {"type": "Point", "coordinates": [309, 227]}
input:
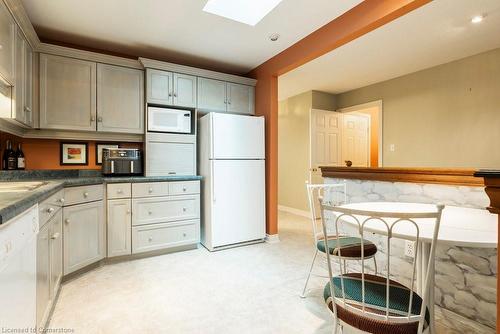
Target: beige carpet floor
{"type": "Point", "coordinates": [252, 289]}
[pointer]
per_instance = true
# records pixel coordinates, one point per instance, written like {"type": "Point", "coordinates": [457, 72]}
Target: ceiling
{"type": "Point", "coordinates": [179, 30]}
{"type": "Point", "coordinates": [436, 33]}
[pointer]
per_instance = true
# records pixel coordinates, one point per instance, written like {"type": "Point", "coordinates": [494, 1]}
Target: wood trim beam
{"type": "Point", "coordinates": [462, 177]}
{"type": "Point", "coordinates": [365, 17]}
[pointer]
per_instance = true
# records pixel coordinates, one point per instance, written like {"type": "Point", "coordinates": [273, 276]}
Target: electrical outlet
{"type": "Point", "coordinates": [410, 248]}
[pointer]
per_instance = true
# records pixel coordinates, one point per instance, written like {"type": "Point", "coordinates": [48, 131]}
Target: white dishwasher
{"type": "Point", "coordinates": [18, 271]}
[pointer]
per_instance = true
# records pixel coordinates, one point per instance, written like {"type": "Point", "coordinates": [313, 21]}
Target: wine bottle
{"type": "Point", "coordinates": [4, 158]}
{"type": "Point", "coordinates": [11, 160]}
{"type": "Point", "coordinates": [20, 157]}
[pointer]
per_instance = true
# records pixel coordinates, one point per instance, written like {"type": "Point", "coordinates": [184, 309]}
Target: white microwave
{"type": "Point", "coordinates": [169, 120]}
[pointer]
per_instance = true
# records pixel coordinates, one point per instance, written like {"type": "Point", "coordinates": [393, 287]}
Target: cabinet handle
{"type": "Point", "coordinates": [150, 239]}
{"type": "Point", "coordinates": [184, 189]}
{"type": "Point", "coordinates": [175, 94]}
{"type": "Point", "coordinates": [225, 101]}
{"type": "Point", "coordinates": [150, 190]}
{"type": "Point", "coordinates": [50, 210]}
{"type": "Point", "coordinates": [150, 212]}
{"type": "Point", "coordinates": [61, 200]}
{"type": "Point", "coordinates": [169, 94]}
{"type": "Point", "coordinates": [228, 101]}
{"type": "Point", "coordinates": [66, 220]}
{"type": "Point", "coordinates": [55, 236]}
{"type": "Point", "coordinates": [85, 194]}
{"type": "Point", "coordinates": [184, 209]}
{"type": "Point", "coordinates": [128, 212]}
{"type": "Point", "coordinates": [92, 118]}
{"type": "Point", "coordinates": [27, 109]}
{"type": "Point", "coordinates": [99, 119]}
{"type": "Point", "coordinates": [184, 235]}
{"type": "Point", "coordinates": [119, 191]}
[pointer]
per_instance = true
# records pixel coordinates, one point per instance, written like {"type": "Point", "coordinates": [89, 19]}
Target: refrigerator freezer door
{"type": "Point", "coordinates": [237, 137]}
{"type": "Point", "coordinates": [238, 201]}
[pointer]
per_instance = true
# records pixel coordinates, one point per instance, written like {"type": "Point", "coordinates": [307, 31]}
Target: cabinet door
{"type": "Point", "coordinates": [159, 87]}
{"type": "Point", "coordinates": [170, 158]}
{"type": "Point", "coordinates": [240, 98]}
{"type": "Point", "coordinates": [42, 275]}
{"type": "Point", "coordinates": [120, 99]}
{"type": "Point", "coordinates": [67, 93]}
{"type": "Point", "coordinates": [28, 84]}
{"type": "Point", "coordinates": [18, 111]}
{"type": "Point", "coordinates": [211, 95]}
{"type": "Point", "coordinates": [84, 235]}
{"type": "Point", "coordinates": [119, 227]}
{"type": "Point", "coordinates": [56, 253]}
{"type": "Point", "coordinates": [184, 90]}
{"type": "Point", "coordinates": [7, 38]}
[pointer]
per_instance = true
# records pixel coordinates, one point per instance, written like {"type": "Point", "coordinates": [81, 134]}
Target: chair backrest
{"type": "Point", "coordinates": [315, 192]}
{"type": "Point", "coordinates": [407, 225]}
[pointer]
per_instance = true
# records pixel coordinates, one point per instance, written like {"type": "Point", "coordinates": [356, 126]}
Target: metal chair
{"type": "Point", "coordinates": [350, 246]}
{"type": "Point", "coordinates": [378, 304]}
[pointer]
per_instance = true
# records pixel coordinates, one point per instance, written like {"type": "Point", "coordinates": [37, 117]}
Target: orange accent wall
{"type": "Point", "coordinates": [45, 153]}
{"type": "Point", "coordinates": [365, 17]}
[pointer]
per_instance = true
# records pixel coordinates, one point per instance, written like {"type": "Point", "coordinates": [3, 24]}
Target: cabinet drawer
{"type": "Point", "coordinates": [158, 236]}
{"type": "Point", "coordinates": [149, 189]}
{"type": "Point", "coordinates": [83, 194]}
{"type": "Point", "coordinates": [165, 209]}
{"type": "Point", "coordinates": [119, 190]}
{"type": "Point", "coordinates": [49, 207]}
{"type": "Point", "coordinates": [184, 188]}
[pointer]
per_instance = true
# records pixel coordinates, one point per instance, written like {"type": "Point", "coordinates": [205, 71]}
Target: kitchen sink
{"type": "Point", "coordinates": [10, 187]}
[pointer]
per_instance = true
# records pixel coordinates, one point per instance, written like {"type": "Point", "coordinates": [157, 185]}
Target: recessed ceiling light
{"type": "Point", "coordinates": [274, 37]}
{"type": "Point", "coordinates": [477, 19]}
{"type": "Point", "coordinates": [245, 11]}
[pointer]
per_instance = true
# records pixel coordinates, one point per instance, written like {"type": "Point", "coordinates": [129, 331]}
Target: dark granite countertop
{"type": "Point", "coordinates": [14, 203]}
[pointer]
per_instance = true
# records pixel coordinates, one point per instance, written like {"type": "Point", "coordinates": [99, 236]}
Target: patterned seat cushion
{"type": "Point", "coordinates": [349, 246]}
{"type": "Point", "coordinates": [375, 302]}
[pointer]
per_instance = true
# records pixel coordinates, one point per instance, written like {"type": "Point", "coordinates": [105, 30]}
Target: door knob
{"type": "Point", "coordinates": [66, 220]}
{"type": "Point", "coordinates": [85, 194]}
{"type": "Point", "coordinates": [119, 191]}
{"type": "Point", "coordinates": [150, 190]}
{"type": "Point", "coordinates": [55, 236]}
{"type": "Point", "coordinates": [50, 210]}
{"type": "Point", "coordinates": [61, 200]}
{"type": "Point", "coordinates": [99, 119]}
{"type": "Point", "coordinates": [150, 239]}
{"type": "Point", "coordinates": [92, 118]}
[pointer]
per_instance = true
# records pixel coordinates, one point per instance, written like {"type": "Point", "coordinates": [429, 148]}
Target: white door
{"type": "Point", "coordinates": [240, 98]}
{"type": "Point", "coordinates": [67, 93]}
{"type": "Point", "coordinates": [159, 87]}
{"type": "Point", "coordinates": [119, 227]}
{"type": "Point", "coordinates": [325, 142]}
{"type": "Point", "coordinates": [184, 90]}
{"type": "Point", "coordinates": [355, 139]}
{"type": "Point", "coordinates": [238, 201]}
{"type": "Point", "coordinates": [120, 99]}
{"type": "Point", "coordinates": [84, 235]}
{"type": "Point", "coordinates": [237, 137]}
{"type": "Point", "coordinates": [211, 95]}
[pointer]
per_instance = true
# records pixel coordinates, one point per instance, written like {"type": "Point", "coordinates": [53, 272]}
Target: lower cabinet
{"type": "Point", "coordinates": [84, 235]}
{"type": "Point", "coordinates": [49, 266]}
{"type": "Point", "coordinates": [119, 227]}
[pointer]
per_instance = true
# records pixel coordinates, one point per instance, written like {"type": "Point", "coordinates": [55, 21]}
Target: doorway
{"type": "Point", "coordinates": [351, 134]}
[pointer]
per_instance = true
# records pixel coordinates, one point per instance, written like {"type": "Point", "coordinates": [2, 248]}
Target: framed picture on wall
{"type": "Point", "coordinates": [74, 153]}
{"type": "Point", "coordinates": [98, 151]}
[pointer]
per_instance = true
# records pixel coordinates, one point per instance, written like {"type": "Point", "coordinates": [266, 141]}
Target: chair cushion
{"type": "Point", "coordinates": [349, 246]}
{"type": "Point", "coordinates": [375, 302]}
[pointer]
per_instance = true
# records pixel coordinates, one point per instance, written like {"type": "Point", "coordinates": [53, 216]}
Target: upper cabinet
{"type": "Point", "coordinates": [67, 93]}
{"type": "Point", "coordinates": [216, 95]}
{"type": "Point", "coordinates": [22, 109]}
{"type": "Point", "coordinates": [211, 95]}
{"type": "Point", "coordinates": [240, 98]}
{"type": "Point", "coordinates": [171, 89]}
{"type": "Point", "coordinates": [83, 95]}
{"type": "Point", "coordinates": [7, 44]}
{"type": "Point", "coordinates": [120, 99]}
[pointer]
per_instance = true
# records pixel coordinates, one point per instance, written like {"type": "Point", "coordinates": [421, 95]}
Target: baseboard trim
{"type": "Point", "coordinates": [272, 238]}
{"type": "Point", "coordinates": [294, 211]}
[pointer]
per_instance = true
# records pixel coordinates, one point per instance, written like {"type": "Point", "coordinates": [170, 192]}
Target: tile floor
{"type": "Point", "coordinates": [252, 289]}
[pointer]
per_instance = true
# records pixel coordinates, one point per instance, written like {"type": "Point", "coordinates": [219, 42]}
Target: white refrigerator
{"type": "Point", "coordinates": [232, 163]}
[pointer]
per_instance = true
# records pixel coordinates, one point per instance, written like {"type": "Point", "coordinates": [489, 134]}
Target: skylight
{"type": "Point", "coordinates": [245, 11]}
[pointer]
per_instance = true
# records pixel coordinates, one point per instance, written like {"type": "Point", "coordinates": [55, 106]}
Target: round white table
{"type": "Point", "coordinates": [459, 226]}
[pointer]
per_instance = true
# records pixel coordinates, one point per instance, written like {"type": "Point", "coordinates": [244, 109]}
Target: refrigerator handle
{"type": "Point", "coordinates": [212, 173]}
